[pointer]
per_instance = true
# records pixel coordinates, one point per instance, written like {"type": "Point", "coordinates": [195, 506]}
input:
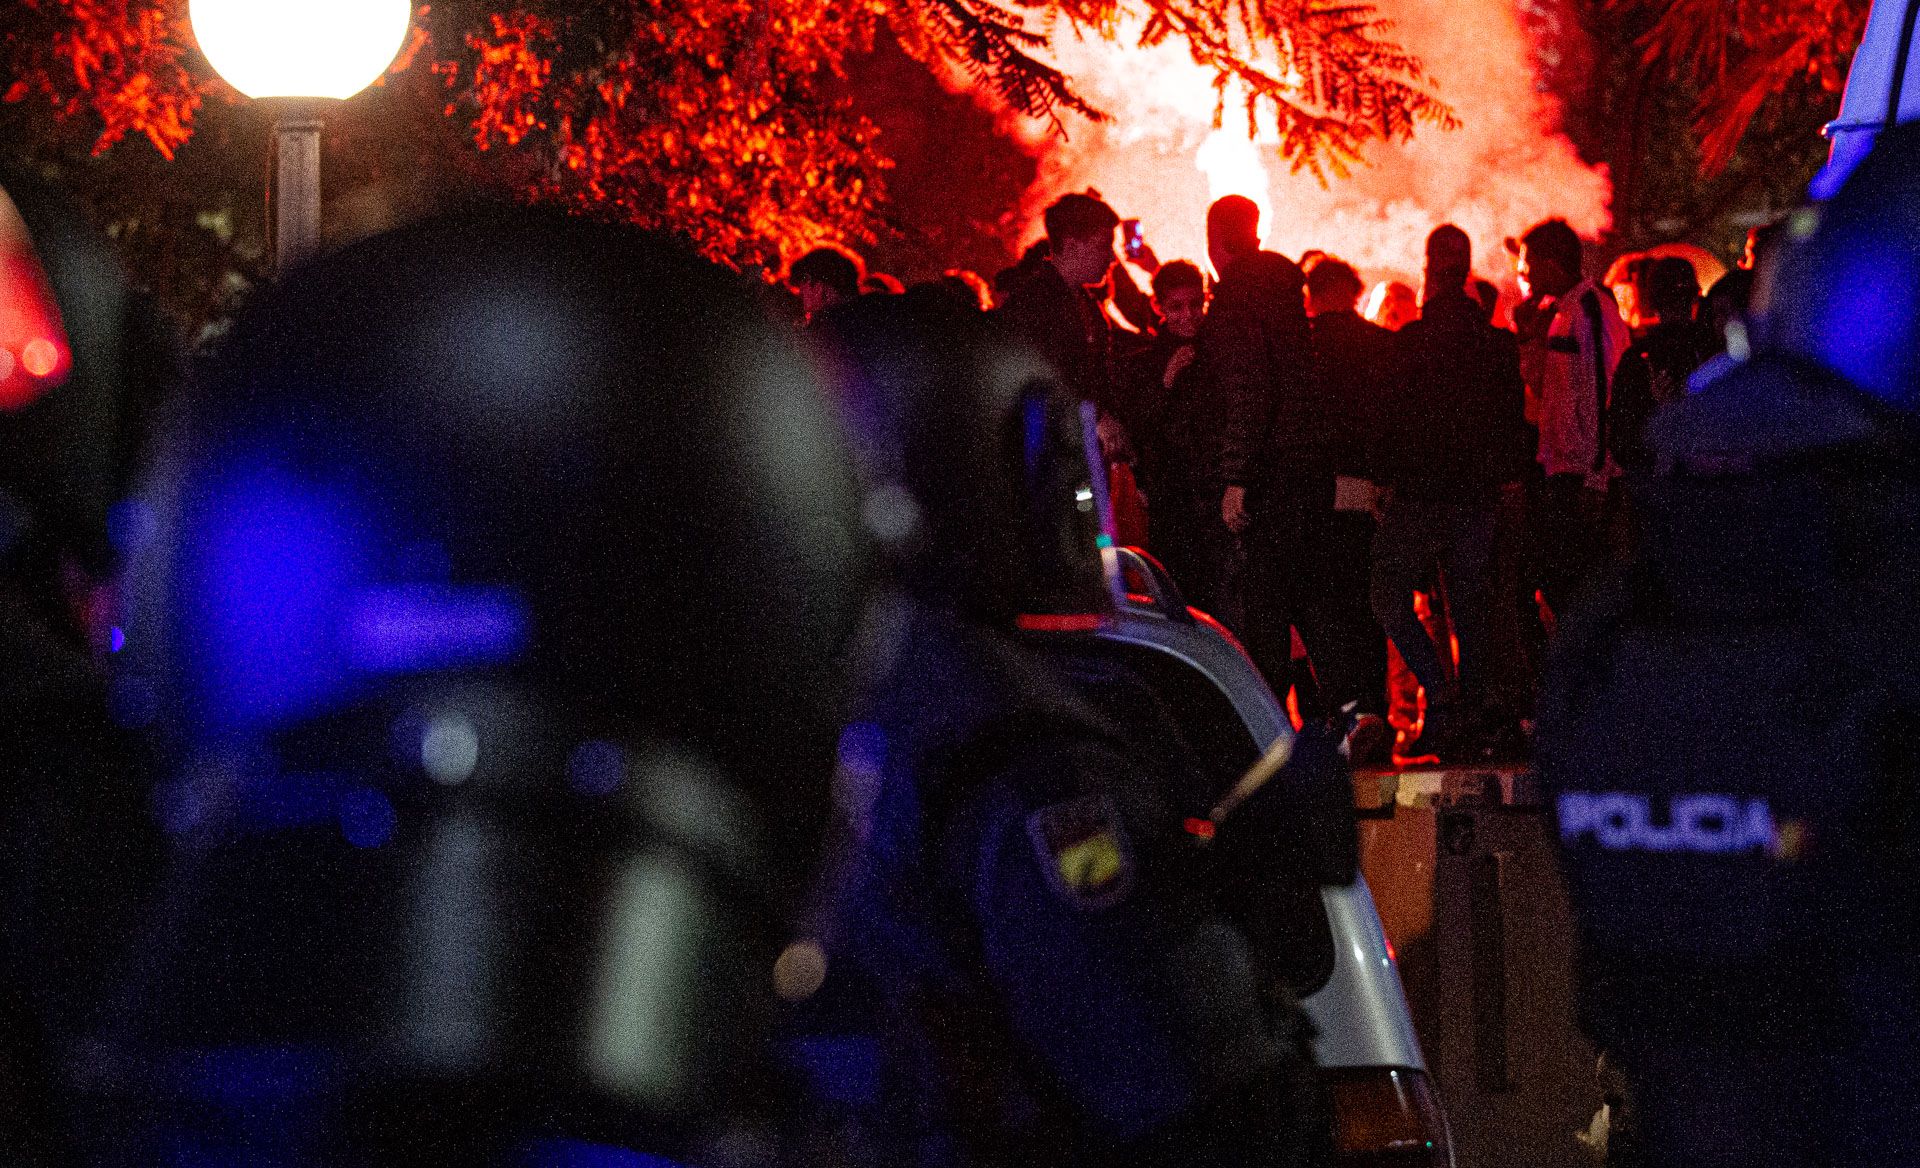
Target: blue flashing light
{"type": "Point", "coordinates": [367, 818]}
{"type": "Point", "coordinates": [116, 639]}
{"type": "Point", "coordinates": [1863, 332]}
{"type": "Point", "coordinates": [264, 586]}
{"type": "Point", "coordinates": [1103, 540]}
{"type": "Point", "coordinates": [408, 628]}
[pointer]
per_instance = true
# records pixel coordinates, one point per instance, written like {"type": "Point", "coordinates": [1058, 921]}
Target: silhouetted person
{"type": "Point", "coordinates": [1583, 343]}
{"type": "Point", "coordinates": [1454, 437]}
{"type": "Point", "coordinates": [1353, 360]}
{"type": "Point", "coordinates": [1048, 303]}
{"type": "Point", "coordinates": [975, 286]}
{"type": "Point", "coordinates": [825, 278]}
{"type": "Point", "coordinates": [1162, 360]}
{"type": "Point", "coordinates": [1184, 528]}
{"type": "Point", "coordinates": [1277, 449]}
{"type": "Point", "coordinates": [1655, 370]}
{"type": "Point", "coordinates": [1061, 979]}
{"type": "Point", "coordinates": [1626, 279]}
{"type": "Point", "coordinates": [1486, 294]}
{"type": "Point", "coordinates": [1762, 242]}
{"type": "Point", "coordinates": [526, 813]}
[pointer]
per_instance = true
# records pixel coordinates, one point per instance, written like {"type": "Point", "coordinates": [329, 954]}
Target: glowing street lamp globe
{"type": "Point", "coordinates": [306, 54]}
{"type": "Point", "coordinates": [300, 48]}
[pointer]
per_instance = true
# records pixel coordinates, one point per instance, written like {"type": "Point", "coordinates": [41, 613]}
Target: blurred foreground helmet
{"type": "Point", "coordinates": [502, 569]}
{"type": "Point", "coordinates": [1845, 291]}
{"type": "Point", "coordinates": [977, 461]}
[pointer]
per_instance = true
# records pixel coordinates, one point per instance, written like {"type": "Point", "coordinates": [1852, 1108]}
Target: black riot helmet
{"type": "Point", "coordinates": [1844, 292]}
{"type": "Point", "coordinates": [503, 570]}
{"type": "Point", "coordinates": [977, 464]}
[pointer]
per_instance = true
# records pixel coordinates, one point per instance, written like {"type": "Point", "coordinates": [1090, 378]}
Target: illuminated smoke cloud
{"type": "Point", "coordinates": [1160, 160]}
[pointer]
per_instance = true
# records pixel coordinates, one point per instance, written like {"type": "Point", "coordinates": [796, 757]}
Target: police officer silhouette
{"type": "Point", "coordinates": [1726, 728]}
{"type": "Point", "coordinates": [1057, 980]}
{"type": "Point", "coordinates": [502, 576]}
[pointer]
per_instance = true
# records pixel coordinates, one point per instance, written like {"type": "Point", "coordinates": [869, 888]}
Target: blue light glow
{"type": "Point", "coordinates": [131, 525]}
{"type": "Point", "coordinates": [406, 628]}
{"type": "Point", "coordinates": [264, 586]}
{"type": "Point", "coordinates": [863, 748]}
{"type": "Point", "coordinates": [116, 639]}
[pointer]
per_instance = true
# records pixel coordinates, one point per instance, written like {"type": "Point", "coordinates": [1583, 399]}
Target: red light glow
{"type": "Point", "coordinates": [33, 345]}
{"type": "Point", "coordinates": [1063, 622]}
{"type": "Point", "coordinates": [40, 357]}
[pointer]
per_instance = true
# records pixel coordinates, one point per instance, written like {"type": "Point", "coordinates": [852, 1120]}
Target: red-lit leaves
{"type": "Point", "coordinates": [122, 63]}
{"type": "Point", "coordinates": [1740, 55]}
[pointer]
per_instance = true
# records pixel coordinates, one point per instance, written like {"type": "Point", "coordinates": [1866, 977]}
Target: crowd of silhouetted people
{"type": "Point", "coordinates": [1385, 493]}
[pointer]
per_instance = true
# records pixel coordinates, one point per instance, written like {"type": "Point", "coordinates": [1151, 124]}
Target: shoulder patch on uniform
{"type": "Point", "coordinates": [1083, 851]}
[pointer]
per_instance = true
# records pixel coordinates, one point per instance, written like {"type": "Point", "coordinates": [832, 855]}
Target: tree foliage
{"type": "Point", "coordinates": [729, 120]}
{"type": "Point", "coordinates": [1739, 56]}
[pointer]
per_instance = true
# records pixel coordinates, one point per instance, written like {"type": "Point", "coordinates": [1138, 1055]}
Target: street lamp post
{"type": "Point", "coordinates": [305, 54]}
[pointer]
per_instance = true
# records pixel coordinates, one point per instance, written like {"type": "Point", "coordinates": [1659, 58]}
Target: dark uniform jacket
{"type": "Point", "coordinates": [1725, 733]}
{"type": "Point", "coordinates": [1056, 984]}
{"type": "Point", "coordinates": [1257, 349]}
{"type": "Point", "coordinates": [1455, 425]}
